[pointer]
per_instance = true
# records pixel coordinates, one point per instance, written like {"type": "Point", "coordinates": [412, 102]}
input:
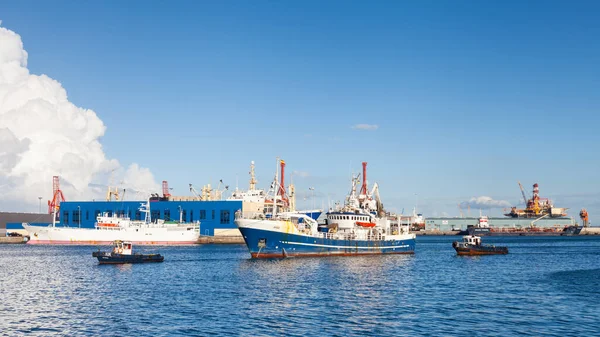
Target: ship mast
{"type": "Point", "coordinates": [252, 177]}
{"type": "Point", "coordinates": [276, 189]}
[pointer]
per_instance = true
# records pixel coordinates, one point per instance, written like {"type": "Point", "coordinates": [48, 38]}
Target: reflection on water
{"type": "Point", "coordinates": [544, 286]}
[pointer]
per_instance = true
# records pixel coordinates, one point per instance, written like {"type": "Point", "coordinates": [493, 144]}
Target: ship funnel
{"type": "Point", "coordinates": [363, 189]}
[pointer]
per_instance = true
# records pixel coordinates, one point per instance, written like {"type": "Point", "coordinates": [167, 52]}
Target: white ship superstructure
{"type": "Point", "coordinates": [111, 227]}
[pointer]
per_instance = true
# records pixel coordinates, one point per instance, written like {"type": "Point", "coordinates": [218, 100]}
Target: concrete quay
{"type": "Point", "coordinates": [221, 239]}
{"type": "Point", "coordinates": [584, 231]}
{"type": "Point", "coordinates": [590, 231]}
{"type": "Point", "coordinates": [435, 232]}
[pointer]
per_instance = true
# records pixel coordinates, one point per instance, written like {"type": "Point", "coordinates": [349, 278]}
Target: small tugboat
{"type": "Point", "coordinates": [471, 245]}
{"type": "Point", "coordinates": [122, 253]}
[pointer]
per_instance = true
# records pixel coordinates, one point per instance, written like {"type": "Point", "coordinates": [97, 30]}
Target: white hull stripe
{"type": "Point", "coordinates": [341, 247]}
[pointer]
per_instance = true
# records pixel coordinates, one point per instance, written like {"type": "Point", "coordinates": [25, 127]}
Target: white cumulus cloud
{"type": "Point", "coordinates": [484, 202]}
{"type": "Point", "coordinates": [369, 127]}
{"type": "Point", "coordinates": [42, 134]}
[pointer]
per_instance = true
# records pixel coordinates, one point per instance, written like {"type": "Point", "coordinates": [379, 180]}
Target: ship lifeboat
{"type": "Point", "coordinates": [107, 225]}
{"type": "Point", "coordinates": [365, 224]}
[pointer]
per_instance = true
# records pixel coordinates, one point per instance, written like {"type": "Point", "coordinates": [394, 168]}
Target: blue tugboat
{"type": "Point", "coordinates": [122, 253]}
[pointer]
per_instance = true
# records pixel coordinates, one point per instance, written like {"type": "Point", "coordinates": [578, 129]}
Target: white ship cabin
{"type": "Point", "coordinates": [347, 220]}
{"type": "Point", "coordinates": [257, 196]}
{"type": "Point", "coordinates": [108, 220]}
{"type": "Point", "coordinates": [351, 222]}
{"type": "Point", "coordinates": [122, 247]}
{"type": "Point", "coordinates": [268, 208]}
{"type": "Point", "coordinates": [472, 240]}
{"type": "Point", "coordinates": [483, 222]}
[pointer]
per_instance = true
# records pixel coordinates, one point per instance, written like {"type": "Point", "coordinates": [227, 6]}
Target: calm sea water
{"type": "Point", "coordinates": [545, 286]}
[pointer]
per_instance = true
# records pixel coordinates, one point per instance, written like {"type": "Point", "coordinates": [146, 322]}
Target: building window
{"type": "Point", "coordinates": [184, 215]}
{"type": "Point", "coordinates": [65, 219]}
{"type": "Point", "coordinates": [202, 214]}
{"type": "Point", "coordinates": [76, 217]}
{"type": "Point", "coordinates": [192, 216]}
{"type": "Point", "coordinates": [109, 213]}
{"type": "Point", "coordinates": [155, 215]}
{"type": "Point", "coordinates": [224, 217]}
{"type": "Point", "coordinates": [167, 215]}
{"type": "Point", "coordinates": [213, 214]}
{"type": "Point", "coordinates": [138, 215]}
{"type": "Point", "coordinates": [87, 215]}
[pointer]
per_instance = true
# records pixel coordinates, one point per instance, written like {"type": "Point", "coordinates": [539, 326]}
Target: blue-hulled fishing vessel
{"type": "Point", "coordinates": [360, 227]}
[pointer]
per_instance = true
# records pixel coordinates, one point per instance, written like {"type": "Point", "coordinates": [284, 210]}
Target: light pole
{"type": "Point", "coordinates": [79, 216]}
{"type": "Point", "coordinates": [313, 200]}
{"type": "Point", "coordinates": [40, 198]}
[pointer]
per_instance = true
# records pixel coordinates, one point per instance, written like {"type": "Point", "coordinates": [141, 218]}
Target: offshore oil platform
{"type": "Point", "coordinates": [536, 207]}
{"type": "Point", "coordinates": [539, 216]}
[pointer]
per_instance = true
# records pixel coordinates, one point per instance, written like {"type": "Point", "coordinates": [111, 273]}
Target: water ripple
{"type": "Point", "coordinates": [545, 286]}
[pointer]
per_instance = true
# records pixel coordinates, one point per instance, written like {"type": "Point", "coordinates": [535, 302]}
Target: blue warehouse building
{"type": "Point", "coordinates": [216, 217]}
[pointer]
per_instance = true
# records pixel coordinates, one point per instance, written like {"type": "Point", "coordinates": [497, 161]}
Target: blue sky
{"type": "Point", "coordinates": [468, 96]}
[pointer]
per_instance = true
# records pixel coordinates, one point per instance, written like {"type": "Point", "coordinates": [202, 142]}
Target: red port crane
{"type": "Point", "coordinates": [165, 186]}
{"type": "Point", "coordinates": [57, 197]}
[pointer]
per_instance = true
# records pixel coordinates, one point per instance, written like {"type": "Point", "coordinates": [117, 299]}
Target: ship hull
{"type": "Point", "coordinates": [108, 258]}
{"type": "Point", "coordinates": [567, 231]}
{"type": "Point", "coordinates": [84, 236]}
{"type": "Point", "coordinates": [462, 249]}
{"type": "Point", "coordinates": [472, 230]}
{"type": "Point", "coordinates": [479, 251]}
{"type": "Point", "coordinates": [264, 243]}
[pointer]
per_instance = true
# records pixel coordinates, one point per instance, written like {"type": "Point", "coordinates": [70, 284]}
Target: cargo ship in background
{"type": "Point", "coordinates": [214, 214]}
{"type": "Point", "coordinates": [112, 227]}
{"type": "Point", "coordinates": [360, 227]}
{"type": "Point", "coordinates": [209, 205]}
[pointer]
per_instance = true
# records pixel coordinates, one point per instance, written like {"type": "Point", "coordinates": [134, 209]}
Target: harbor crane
{"type": "Point", "coordinates": [584, 217]}
{"type": "Point", "coordinates": [57, 197]}
{"type": "Point", "coordinates": [165, 189]}
{"type": "Point", "coordinates": [194, 192]}
{"type": "Point", "coordinates": [523, 192]}
{"type": "Point", "coordinates": [219, 191]}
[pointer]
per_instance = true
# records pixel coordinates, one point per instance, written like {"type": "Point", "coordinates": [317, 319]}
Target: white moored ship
{"type": "Point", "coordinates": [110, 227]}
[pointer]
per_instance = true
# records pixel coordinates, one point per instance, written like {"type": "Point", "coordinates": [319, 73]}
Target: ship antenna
{"type": "Point", "coordinates": [252, 176]}
{"type": "Point", "coordinates": [276, 189]}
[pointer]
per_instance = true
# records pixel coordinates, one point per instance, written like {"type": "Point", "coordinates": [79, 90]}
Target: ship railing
{"type": "Point", "coordinates": [354, 236]}
{"type": "Point", "coordinates": [250, 215]}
